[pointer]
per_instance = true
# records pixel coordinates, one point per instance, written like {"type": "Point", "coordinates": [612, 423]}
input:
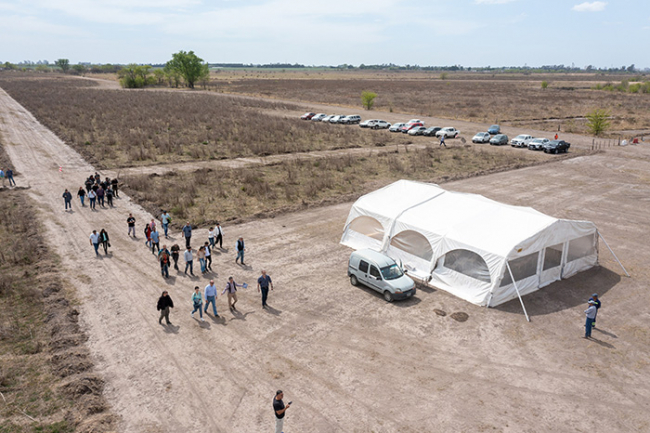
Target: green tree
{"type": "Point", "coordinates": [544, 85]}
{"type": "Point", "coordinates": [135, 76]}
{"type": "Point", "coordinates": [159, 75]}
{"type": "Point", "coordinates": [189, 66]}
{"type": "Point", "coordinates": [79, 69]}
{"type": "Point", "coordinates": [368, 99]}
{"type": "Point", "coordinates": [598, 121]}
{"type": "Point", "coordinates": [64, 64]}
{"type": "Point", "coordinates": [9, 66]}
{"type": "Point", "coordinates": [444, 76]}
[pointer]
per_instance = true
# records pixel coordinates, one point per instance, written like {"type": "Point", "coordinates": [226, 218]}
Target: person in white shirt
{"type": "Point", "coordinates": [189, 260]}
{"type": "Point", "coordinates": [591, 316]}
{"type": "Point", "coordinates": [211, 236]}
{"type": "Point", "coordinates": [94, 241]}
{"type": "Point", "coordinates": [218, 231]}
{"type": "Point", "coordinates": [208, 255]}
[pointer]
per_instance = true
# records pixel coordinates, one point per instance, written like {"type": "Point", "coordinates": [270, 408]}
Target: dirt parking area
{"type": "Point", "coordinates": [349, 361]}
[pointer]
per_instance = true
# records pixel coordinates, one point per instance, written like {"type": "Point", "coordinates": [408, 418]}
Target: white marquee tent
{"type": "Point", "coordinates": [468, 245]}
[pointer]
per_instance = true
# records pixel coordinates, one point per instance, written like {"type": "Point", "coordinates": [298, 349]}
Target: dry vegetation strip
{"type": "Point", "coordinates": [45, 371]}
{"type": "Point", "coordinates": [116, 128]}
{"type": "Point", "coordinates": [208, 195]}
{"type": "Point", "coordinates": [520, 99]}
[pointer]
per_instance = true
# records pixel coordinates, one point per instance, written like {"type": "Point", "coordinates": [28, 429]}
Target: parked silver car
{"type": "Point", "coordinates": [380, 124]}
{"type": "Point", "coordinates": [350, 120]}
{"type": "Point", "coordinates": [396, 127]}
{"type": "Point", "coordinates": [481, 137]}
{"type": "Point", "coordinates": [336, 118]}
{"type": "Point", "coordinates": [318, 117]}
{"type": "Point", "coordinates": [379, 272]}
{"type": "Point", "coordinates": [521, 140]}
{"type": "Point", "coordinates": [538, 143]}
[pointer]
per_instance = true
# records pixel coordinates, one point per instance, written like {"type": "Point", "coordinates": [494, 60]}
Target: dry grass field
{"type": "Point", "coordinates": [115, 128]}
{"type": "Point", "coordinates": [513, 99]}
{"type": "Point", "coordinates": [227, 194]}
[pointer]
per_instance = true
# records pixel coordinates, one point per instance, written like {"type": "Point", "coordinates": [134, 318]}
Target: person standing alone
{"type": "Point", "coordinates": [131, 223]}
{"type": "Point", "coordinates": [164, 304]}
{"type": "Point", "coordinates": [597, 304]}
{"type": "Point", "coordinates": [442, 140]}
{"type": "Point", "coordinates": [591, 316]}
{"type": "Point", "coordinates": [67, 198]}
{"type": "Point", "coordinates": [263, 283]}
{"type": "Point", "coordinates": [279, 409]}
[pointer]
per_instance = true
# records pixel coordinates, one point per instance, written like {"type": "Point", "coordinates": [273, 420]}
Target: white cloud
{"type": "Point", "coordinates": [492, 2]}
{"type": "Point", "coordinates": [590, 7]}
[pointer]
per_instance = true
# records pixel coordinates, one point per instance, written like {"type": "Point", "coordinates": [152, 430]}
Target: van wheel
{"type": "Point", "coordinates": [353, 280]}
{"type": "Point", "coordinates": [388, 297]}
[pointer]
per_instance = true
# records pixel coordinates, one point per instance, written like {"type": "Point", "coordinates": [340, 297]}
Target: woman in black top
{"type": "Point", "coordinates": [103, 239]}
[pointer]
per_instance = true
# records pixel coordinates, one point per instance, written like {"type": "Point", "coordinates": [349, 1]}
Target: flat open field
{"type": "Point", "coordinates": [349, 361]}
{"type": "Point", "coordinates": [512, 99]}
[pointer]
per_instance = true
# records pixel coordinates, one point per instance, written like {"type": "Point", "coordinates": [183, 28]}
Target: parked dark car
{"type": "Point", "coordinates": [431, 132]}
{"type": "Point", "coordinates": [494, 129]}
{"type": "Point", "coordinates": [556, 146]}
{"type": "Point", "coordinates": [307, 116]}
{"type": "Point", "coordinates": [499, 140]}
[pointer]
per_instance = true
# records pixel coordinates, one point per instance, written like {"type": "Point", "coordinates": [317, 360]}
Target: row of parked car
{"type": "Point", "coordinates": [416, 127]}
{"type": "Point", "coordinates": [412, 127]}
{"type": "Point", "coordinates": [494, 137]}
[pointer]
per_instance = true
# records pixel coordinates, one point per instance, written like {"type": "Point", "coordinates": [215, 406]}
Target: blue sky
{"type": "Point", "coordinates": [331, 32]}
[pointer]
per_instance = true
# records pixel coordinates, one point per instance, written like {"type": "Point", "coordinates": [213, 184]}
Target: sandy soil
{"type": "Point", "coordinates": [349, 361]}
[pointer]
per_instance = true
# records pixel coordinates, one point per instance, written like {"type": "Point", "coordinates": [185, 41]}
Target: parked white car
{"type": "Point", "coordinates": [380, 124]}
{"type": "Point", "coordinates": [396, 127]}
{"type": "Point", "coordinates": [448, 132]}
{"type": "Point", "coordinates": [368, 123]}
{"type": "Point", "coordinates": [481, 137]}
{"type": "Point", "coordinates": [336, 118]}
{"type": "Point", "coordinates": [538, 143]}
{"type": "Point", "coordinates": [350, 120]}
{"type": "Point", "coordinates": [379, 272]}
{"type": "Point", "coordinates": [318, 117]}
{"type": "Point", "coordinates": [327, 118]}
{"type": "Point", "coordinates": [521, 140]}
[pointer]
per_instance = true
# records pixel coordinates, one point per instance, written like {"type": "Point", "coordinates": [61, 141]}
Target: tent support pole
{"type": "Point", "coordinates": [517, 290]}
{"type": "Point", "coordinates": [611, 251]}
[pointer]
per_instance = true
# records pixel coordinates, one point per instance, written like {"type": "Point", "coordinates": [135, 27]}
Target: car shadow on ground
{"type": "Point", "coordinates": [412, 301]}
{"type": "Point", "coordinates": [566, 294]}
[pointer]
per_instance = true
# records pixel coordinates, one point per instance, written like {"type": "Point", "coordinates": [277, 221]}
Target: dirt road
{"type": "Point", "coordinates": [349, 361]}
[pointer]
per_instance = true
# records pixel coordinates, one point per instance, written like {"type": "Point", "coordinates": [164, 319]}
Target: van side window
{"type": "Point", "coordinates": [363, 266]}
{"type": "Point", "coordinates": [374, 272]}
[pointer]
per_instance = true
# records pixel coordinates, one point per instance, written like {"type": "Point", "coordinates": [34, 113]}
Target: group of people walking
{"type": "Point", "coordinates": [99, 192]}
{"type": "Point", "coordinates": [202, 301]}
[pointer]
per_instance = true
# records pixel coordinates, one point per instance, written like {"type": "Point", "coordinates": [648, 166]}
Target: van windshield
{"type": "Point", "coordinates": [391, 272]}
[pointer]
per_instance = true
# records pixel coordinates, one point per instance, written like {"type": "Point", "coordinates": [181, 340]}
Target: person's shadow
{"type": "Point", "coordinates": [239, 316]}
{"type": "Point", "coordinates": [171, 329]}
{"type": "Point", "coordinates": [272, 310]}
{"type": "Point", "coordinates": [602, 331]}
{"type": "Point", "coordinates": [602, 343]}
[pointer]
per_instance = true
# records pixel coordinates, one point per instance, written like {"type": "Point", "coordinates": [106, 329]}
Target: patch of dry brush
{"type": "Point", "coordinates": [46, 377]}
{"type": "Point", "coordinates": [208, 195]}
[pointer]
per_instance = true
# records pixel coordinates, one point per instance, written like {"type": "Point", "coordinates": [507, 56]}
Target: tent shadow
{"type": "Point", "coordinates": [565, 294]}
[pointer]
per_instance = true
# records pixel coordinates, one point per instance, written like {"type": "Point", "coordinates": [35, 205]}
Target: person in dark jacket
{"type": "Point", "coordinates": [114, 183]}
{"type": "Point", "coordinates": [175, 254]}
{"type": "Point", "coordinates": [164, 304]}
{"type": "Point", "coordinates": [109, 196]}
{"type": "Point", "coordinates": [67, 198]}
{"type": "Point", "coordinates": [100, 196]}
{"type": "Point", "coordinates": [103, 239]}
{"type": "Point", "coordinates": [82, 195]}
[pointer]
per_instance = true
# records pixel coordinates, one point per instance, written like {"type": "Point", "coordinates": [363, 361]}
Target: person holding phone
{"type": "Point", "coordinates": [279, 408]}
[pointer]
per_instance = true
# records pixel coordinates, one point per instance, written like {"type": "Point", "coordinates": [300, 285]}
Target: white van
{"type": "Point", "coordinates": [381, 273]}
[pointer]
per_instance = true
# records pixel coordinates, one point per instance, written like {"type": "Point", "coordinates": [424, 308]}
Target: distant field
{"type": "Point", "coordinates": [116, 128]}
{"type": "Point", "coordinates": [519, 101]}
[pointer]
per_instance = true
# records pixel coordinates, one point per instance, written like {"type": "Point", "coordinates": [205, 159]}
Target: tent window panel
{"type": "Point", "coordinates": [413, 243]}
{"type": "Point", "coordinates": [468, 263]}
{"type": "Point", "coordinates": [553, 257]}
{"type": "Point", "coordinates": [581, 247]}
{"type": "Point", "coordinates": [522, 268]}
{"type": "Point", "coordinates": [368, 226]}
